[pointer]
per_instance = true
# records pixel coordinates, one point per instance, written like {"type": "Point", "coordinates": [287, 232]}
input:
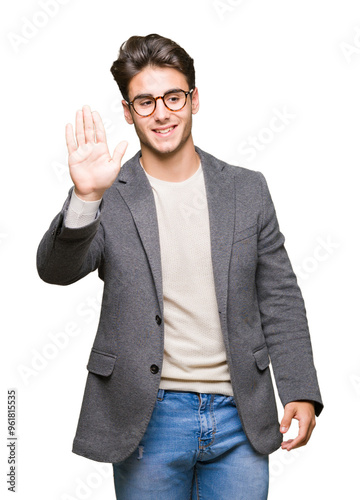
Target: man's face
{"type": "Point", "coordinates": [165, 131]}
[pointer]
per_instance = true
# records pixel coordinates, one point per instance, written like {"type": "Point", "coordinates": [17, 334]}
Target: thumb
{"type": "Point", "coordinates": [286, 421]}
{"type": "Point", "coordinates": [119, 152]}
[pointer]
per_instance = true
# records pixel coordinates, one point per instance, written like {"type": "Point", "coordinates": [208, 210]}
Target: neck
{"type": "Point", "coordinates": [176, 166]}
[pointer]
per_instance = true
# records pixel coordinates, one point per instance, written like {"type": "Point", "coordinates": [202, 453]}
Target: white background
{"type": "Point", "coordinates": [253, 59]}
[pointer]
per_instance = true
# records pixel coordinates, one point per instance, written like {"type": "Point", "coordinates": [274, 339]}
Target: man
{"type": "Point", "coordinates": [198, 293]}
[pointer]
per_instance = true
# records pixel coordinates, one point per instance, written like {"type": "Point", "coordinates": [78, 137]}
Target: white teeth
{"type": "Point", "coordinates": [164, 131]}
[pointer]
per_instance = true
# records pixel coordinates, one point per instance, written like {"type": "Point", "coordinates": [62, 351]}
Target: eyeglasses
{"type": "Point", "coordinates": [174, 100]}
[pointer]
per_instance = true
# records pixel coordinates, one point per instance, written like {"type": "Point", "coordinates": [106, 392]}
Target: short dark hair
{"type": "Point", "coordinates": [151, 50]}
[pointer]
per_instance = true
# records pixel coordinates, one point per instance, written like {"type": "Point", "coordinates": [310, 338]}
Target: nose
{"type": "Point", "coordinates": [161, 112]}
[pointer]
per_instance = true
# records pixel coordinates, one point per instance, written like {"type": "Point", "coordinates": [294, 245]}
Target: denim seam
{"type": "Point", "coordinates": [197, 485]}
{"type": "Point", "coordinates": [213, 421]}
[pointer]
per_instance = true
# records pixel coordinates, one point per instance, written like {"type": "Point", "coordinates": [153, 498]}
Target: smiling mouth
{"type": "Point", "coordinates": [164, 130]}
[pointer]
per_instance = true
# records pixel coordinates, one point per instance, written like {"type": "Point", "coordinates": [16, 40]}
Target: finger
{"type": "Point", "coordinates": [305, 431]}
{"type": "Point", "coordinates": [119, 152]}
{"type": "Point", "coordinates": [286, 421]}
{"type": "Point", "coordinates": [70, 139]}
{"type": "Point", "coordinates": [99, 127]}
{"type": "Point", "coordinates": [285, 445]}
{"type": "Point", "coordinates": [88, 124]}
{"type": "Point", "coordinates": [79, 128]}
{"type": "Point", "coordinates": [299, 441]}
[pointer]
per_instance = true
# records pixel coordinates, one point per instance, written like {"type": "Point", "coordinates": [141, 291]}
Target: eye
{"type": "Point", "coordinates": [144, 103]}
{"type": "Point", "coordinates": [172, 98]}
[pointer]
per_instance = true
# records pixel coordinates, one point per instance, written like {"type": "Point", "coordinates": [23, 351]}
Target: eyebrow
{"type": "Point", "coordinates": [151, 95]}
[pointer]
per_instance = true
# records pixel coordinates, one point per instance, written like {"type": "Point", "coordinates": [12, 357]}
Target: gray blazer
{"type": "Point", "coordinates": [260, 305]}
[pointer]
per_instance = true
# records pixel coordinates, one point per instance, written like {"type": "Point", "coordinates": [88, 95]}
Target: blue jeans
{"type": "Point", "coordinates": [194, 448]}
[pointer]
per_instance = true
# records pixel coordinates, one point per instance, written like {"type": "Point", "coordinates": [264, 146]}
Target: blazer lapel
{"type": "Point", "coordinates": [220, 192]}
{"type": "Point", "coordinates": [136, 191]}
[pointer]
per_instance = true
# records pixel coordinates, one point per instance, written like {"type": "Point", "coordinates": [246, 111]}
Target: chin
{"type": "Point", "coordinates": [165, 149]}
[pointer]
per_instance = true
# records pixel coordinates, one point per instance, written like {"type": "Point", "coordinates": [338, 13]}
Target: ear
{"type": "Point", "coordinates": [127, 112]}
{"type": "Point", "coordinates": [195, 104]}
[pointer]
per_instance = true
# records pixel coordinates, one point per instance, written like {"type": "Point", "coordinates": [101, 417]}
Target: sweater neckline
{"type": "Point", "coordinates": [171, 183]}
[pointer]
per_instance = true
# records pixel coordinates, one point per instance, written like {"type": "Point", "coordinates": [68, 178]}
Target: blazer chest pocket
{"type": "Point", "coordinates": [245, 233]}
{"type": "Point", "coordinates": [261, 356]}
{"type": "Point", "coordinates": [101, 363]}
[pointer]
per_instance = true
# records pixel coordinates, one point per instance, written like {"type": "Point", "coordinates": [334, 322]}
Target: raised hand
{"type": "Point", "coordinates": [92, 169]}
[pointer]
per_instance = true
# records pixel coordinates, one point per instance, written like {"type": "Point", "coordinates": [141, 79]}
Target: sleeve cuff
{"type": "Point", "coordinates": [80, 212]}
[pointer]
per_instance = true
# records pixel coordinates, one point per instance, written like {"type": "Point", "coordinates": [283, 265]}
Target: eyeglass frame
{"type": "Point", "coordinates": [162, 97]}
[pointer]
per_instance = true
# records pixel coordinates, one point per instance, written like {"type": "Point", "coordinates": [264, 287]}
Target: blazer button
{"type": "Point", "coordinates": [154, 369]}
{"type": "Point", "coordinates": [158, 319]}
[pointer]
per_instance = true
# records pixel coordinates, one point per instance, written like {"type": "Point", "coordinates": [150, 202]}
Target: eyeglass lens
{"type": "Point", "coordinates": [173, 101]}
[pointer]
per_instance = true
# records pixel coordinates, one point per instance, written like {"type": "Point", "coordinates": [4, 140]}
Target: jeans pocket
{"type": "Point", "coordinates": [231, 400]}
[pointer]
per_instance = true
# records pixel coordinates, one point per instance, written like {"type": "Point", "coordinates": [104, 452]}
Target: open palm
{"type": "Point", "coordinates": [92, 169]}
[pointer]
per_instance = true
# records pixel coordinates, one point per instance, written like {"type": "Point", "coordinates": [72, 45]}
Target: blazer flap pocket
{"type": "Point", "coordinates": [101, 363]}
{"type": "Point", "coordinates": [245, 233]}
{"type": "Point", "coordinates": [261, 356]}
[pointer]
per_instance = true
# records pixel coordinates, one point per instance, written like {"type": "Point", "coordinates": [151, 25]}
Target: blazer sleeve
{"type": "Point", "coordinates": [66, 255]}
{"type": "Point", "coordinates": [283, 313]}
